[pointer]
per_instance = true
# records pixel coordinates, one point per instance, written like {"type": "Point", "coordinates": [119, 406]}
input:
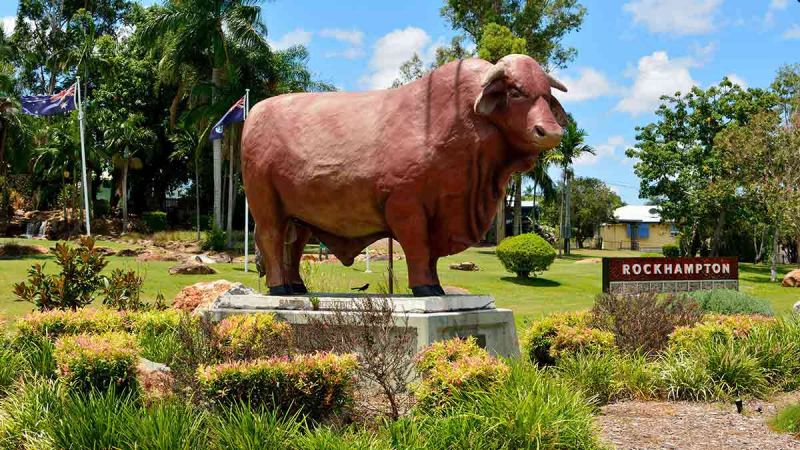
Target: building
{"type": "Point", "coordinates": [637, 227]}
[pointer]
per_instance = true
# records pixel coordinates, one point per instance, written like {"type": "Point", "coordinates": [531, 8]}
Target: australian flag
{"type": "Point", "coordinates": [235, 114]}
{"type": "Point", "coordinates": [48, 105]}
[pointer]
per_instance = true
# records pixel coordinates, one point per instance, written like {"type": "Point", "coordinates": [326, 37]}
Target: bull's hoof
{"type": "Point", "coordinates": [283, 289]}
{"type": "Point", "coordinates": [428, 290]}
{"type": "Point", "coordinates": [299, 288]}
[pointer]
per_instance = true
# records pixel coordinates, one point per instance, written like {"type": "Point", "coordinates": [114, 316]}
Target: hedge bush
{"type": "Point", "coordinates": [54, 323]}
{"type": "Point", "coordinates": [89, 362]}
{"type": "Point", "coordinates": [731, 302]}
{"type": "Point", "coordinates": [250, 336]}
{"type": "Point", "coordinates": [453, 368]}
{"type": "Point", "coordinates": [671, 251]}
{"type": "Point", "coordinates": [525, 254]}
{"type": "Point", "coordinates": [716, 328]}
{"type": "Point", "coordinates": [155, 221]}
{"type": "Point", "coordinates": [316, 385]}
{"type": "Point", "coordinates": [560, 334]}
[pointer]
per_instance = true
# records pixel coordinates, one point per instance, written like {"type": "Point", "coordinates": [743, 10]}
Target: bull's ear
{"type": "Point", "coordinates": [558, 112]}
{"type": "Point", "coordinates": [493, 96]}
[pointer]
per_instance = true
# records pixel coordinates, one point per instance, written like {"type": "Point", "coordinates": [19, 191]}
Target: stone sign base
{"type": "Point", "coordinates": [431, 318]}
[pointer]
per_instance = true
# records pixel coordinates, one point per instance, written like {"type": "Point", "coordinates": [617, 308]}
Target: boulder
{"type": "Point", "coordinates": [466, 266]}
{"type": "Point", "coordinates": [796, 308]}
{"type": "Point", "coordinates": [205, 259]}
{"type": "Point", "coordinates": [105, 251]}
{"type": "Point", "coordinates": [14, 250]}
{"type": "Point", "coordinates": [131, 252]}
{"type": "Point", "coordinates": [191, 268]}
{"type": "Point", "coordinates": [158, 255]}
{"type": "Point", "coordinates": [155, 379]}
{"type": "Point", "coordinates": [455, 290]}
{"type": "Point", "coordinates": [792, 279]}
{"type": "Point", "coordinates": [205, 292]}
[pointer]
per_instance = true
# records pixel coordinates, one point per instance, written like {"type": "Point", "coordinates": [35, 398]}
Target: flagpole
{"type": "Point", "coordinates": [246, 206]}
{"type": "Point", "coordinates": [83, 160]}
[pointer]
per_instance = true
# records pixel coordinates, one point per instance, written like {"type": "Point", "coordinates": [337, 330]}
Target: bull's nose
{"type": "Point", "coordinates": [547, 136]}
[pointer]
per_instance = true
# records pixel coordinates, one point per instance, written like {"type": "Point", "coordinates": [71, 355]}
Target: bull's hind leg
{"type": "Point", "coordinates": [295, 254]}
{"type": "Point", "coordinates": [270, 237]}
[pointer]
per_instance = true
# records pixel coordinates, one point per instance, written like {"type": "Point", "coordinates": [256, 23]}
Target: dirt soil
{"type": "Point", "coordinates": [694, 426]}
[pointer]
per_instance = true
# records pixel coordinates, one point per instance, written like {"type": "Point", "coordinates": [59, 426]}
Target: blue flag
{"type": "Point", "coordinates": [48, 105]}
{"type": "Point", "coordinates": [235, 114]}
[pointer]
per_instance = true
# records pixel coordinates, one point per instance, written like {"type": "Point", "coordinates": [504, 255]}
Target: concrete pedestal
{"type": "Point", "coordinates": [431, 318]}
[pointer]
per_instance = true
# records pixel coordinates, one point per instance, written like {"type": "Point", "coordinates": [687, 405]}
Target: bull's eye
{"type": "Point", "coordinates": [515, 93]}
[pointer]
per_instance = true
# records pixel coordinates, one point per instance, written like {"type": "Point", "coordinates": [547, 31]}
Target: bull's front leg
{"type": "Point", "coordinates": [409, 225]}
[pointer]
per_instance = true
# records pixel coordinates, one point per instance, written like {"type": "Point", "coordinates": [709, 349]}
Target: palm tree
{"type": "Point", "coordinates": [209, 27]}
{"type": "Point", "coordinates": [123, 141]}
{"type": "Point", "coordinates": [573, 145]}
{"type": "Point", "coordinates": [541, 178]}
{"type": "Point", "coordinates": [189, 142]}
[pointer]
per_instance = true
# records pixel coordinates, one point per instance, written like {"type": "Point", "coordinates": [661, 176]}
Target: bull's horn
{"type": "Point", "coordinates": [556, 84]}
{"type": "Point", "coordinates": [496, 72]}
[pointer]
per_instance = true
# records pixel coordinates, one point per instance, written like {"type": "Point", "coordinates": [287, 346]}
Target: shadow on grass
{"type": "Point", "coordinates": [486, 252]}
{"type": "Point", "coordinates": [539, 282]}
{"type": "Point", "coordinates": [26, 257]}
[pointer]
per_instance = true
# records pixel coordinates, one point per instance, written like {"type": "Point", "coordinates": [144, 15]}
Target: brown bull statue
{"type": "Point", "coordinates": [425, 163]}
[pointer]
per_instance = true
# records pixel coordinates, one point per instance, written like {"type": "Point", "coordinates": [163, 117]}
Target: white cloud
{"type": "Point", "coordinates": [656, 75]}
{"type": "Point", "coordinates": [680, 17]}
{"type": "Point", "coordinates": [352, 37]}
{"type": "Point", "coordinates": [774, 6]}
{"type": "Point", "coordinates": [392, 50]}
{"type": "Point", "coordinates": [590, 84]}
{"type": "Point", "coordinates": [736, 79]}
{"type": "Point", "coordinates": [8, 23]}
{"type": "Point", "coordinates": [792, 33]}
{"type": "Point", "coordinates": [606, 150]}
{"type": "Point", "coordinates": [298, 36]}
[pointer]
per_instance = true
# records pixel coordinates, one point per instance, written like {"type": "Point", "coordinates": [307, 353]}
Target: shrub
{"type": "Point", "coordinates": [317, 385]}
{"type": "Point", "coordinates": [572, 340]}
{"type": "Point", "coordinates": [733, 372]}
{"type": "Point", "coordinates": [685, 377]}
{"type": "Point", "coordinates": [643, 322]}
{"type": "Point", "coordinates": [74, 287]}
{"type": "Point", "coordinates": [12, 364]}
{"type": "Point", "coordinates": [250, 336]}
{"type": "Point", "coordinates": [671, 251]}
{"type": "Point", "coordinates": [102, 208]}
{"type": "Point", "coordinates": [156, 333]}
{"type": "Point", "coordinates": [538, 338]}
{"type": "Point", "coordinates": [716, 328]}
{"type": "Point", "coordinates": [776, 347]}
{"type": "Point", "coordinates": [155, 221]}
{"type": "Point", "coordinates": [54, 323]}
{"type": "Point", "coordinates": [215, 239]}
{"type": "Point", "coordinates": [164, 426]}
{"type": "Point", "coordinates": [730, 302]}
{"type": "Point", "coordinates": [452, 368]}
{"type": "Point", "coordinates": [637, 378]}
{"type": "Point", "coordinates": [24, 414]}
{"type": "Point", "coordinates": [97, 362]}
{"type": "Point", "coordinates": [92, 421]}
{"type": "Point", "coordinates": [525, 254]}
{"type": "Point", "coordinates": [528, 409]}
{"type": "Point", "coordinates": [787, 420]}
{"type": "Point", "coordinates": [123, 290]}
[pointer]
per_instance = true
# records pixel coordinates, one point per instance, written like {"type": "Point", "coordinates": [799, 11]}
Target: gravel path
{"type": "Point", "coordinates": [636, 425]}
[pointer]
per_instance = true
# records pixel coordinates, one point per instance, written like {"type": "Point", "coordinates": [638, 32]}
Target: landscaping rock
{"type": "Point", "coordinates": [158, 255]}
{"type": "Point", "coordinates": [105, 251]}
{"type": "Point", "coordinates": [455, 290]}
{"type": "Point", "coordinates": [796, 308]}
{"type": "Point", "coordinates": [792, 279]}
{"type": "Point", "coordinates": [131, 252]}
{"type": "Point", "coordinates": [14, 250]}
{"type": "Point", "coordinates": [205, 259]}
{"type": "Point", "coordinates": [219, 257]}
{"type": "Point", "coordinates": [191, 268]}
{"type": "Point", "coordinates": [198, 294]}
{"type": "Point", "coordinates": [466, 266]}
{"type": "Point", "coordinates": [155, 379]}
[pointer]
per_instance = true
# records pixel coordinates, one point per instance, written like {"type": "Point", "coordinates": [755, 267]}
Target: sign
{"type": "Point", "coordinates": [637, 275]}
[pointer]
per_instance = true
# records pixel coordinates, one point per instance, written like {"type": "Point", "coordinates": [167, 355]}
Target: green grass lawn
{"type": "Point", "coordinates": [570, 284]}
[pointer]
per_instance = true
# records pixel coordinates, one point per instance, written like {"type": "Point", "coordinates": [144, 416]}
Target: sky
{"type": "Point", "coordinates": [629, 53]}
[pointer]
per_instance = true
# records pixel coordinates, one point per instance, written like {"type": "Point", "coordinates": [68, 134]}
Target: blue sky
{"type": "Point", "coordinates": [629, 53]}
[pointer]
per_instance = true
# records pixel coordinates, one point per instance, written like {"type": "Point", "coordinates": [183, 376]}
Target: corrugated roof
{"type": "Point", "coordinates": [638, 213]}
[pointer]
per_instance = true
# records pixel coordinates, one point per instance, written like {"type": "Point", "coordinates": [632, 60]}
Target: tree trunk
{"type": "Point", "coordinates": [717, 238]}
{"type": "Point", "coordinates": [694, 243]}
{"type": "Point", "coordinates": [3, 128]}
{"type": "Point", "coordinates": [231, 179]}
{"type": "Point", "coordinates": [197, 192]}
{"type": "Point", "coordinates": [216, 78]}
{"type": "Point", "coordinates": [773, 271]}
{"type": "Point", "coordinates": [517, 204]}
{"type": "Point", "coordinates": [124, 196]}
{"type": "Point", "coordinates": [567, 219]}
{"type": "Point", "coordinates": [500, 220]}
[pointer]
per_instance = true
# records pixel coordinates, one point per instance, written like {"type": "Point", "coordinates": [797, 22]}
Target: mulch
{"type": "Point", "coordinates": [638, 425]}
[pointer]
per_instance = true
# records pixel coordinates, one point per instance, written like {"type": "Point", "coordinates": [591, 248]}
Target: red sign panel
{"type": "Point", "coordinates": [670, 269]}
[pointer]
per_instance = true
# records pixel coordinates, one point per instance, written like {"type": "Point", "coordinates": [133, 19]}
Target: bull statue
{"type": "Point", "coordinates": [425, 163]}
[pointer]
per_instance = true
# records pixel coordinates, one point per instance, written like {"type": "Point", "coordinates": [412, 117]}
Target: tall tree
{"type": "Point", "coordinates": [679, 167]}
{"type": "Point", "coordinates": [209, 27]}
{"type": "Point", "coordinates": [573, 145]}
{"type": "Point", "coordinates": [593, 203]}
